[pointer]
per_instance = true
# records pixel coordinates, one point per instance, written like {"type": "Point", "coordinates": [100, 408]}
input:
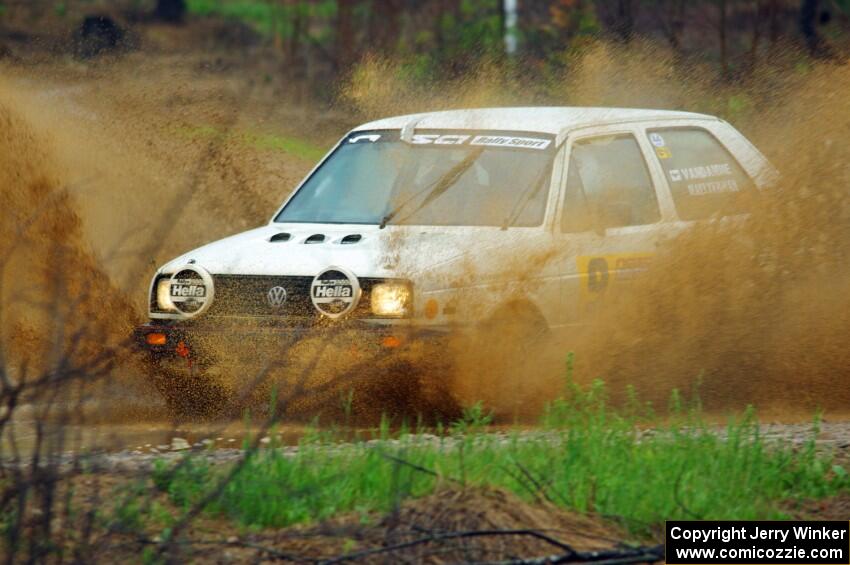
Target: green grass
{"type": "Point", "coordinates": [295, 146]}
{"type": "Point", "coordinates": [258, 13]}
{"type": "Point", "coordinates": [590, 457]}
{"type": "Point", "coordinates": [292, 145]}
{"type": "Point", "coordinates": [266, 17]}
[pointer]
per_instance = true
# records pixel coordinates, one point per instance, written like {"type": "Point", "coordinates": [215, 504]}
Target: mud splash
{"type": "Point", "coordinates": [108, 170]}
{"type": "Point", "coordinates": [49, 274]}
{"type": "Point", "coordinates": [758, 313]}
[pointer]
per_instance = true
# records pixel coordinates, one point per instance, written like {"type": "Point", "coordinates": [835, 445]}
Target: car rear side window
{"type": "Point", "coordinates": [608, 185]}
{"type": "Point", "coordinates": [703, 176]}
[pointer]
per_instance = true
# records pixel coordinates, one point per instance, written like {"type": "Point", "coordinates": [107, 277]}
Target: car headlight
{"type": "Point", "coordinates": [163, 295]}
{"type": "Point", "coordinates": [392, 299]}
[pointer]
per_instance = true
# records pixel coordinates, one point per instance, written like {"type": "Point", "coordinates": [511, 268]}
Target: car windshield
{"type": "Point", "coordinates": [437, 178]}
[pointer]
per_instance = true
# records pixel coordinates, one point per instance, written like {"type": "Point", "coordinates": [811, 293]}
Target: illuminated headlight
{"type": "Point", "coordinates": [392, 299]}
{"type": "Point", "coordinates": [163, 295]}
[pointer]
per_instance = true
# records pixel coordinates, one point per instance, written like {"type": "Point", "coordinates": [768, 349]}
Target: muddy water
{"type": "Point", "coordinates": [157, 435]}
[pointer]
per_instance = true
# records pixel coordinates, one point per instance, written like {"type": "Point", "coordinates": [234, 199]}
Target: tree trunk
{"type": "Point", "coordinates": [385, 25]}
{"type": "Point", "coordinates": [670, 15]}
{"type": "Point", "coordinates": [173, 11]}
{"type": "Point", "coordinates": [756, 37]}
{"type": "Point", "coordinates": [296, 59]}
{"type": "Point", "coordinates": [446, 10]}
{"type": "Point", "coordinates": [624, 25]}
{"type": "Point", "coordinates": [345, 49]}
{"type": "Point", "coordinates": [293, 47]}
{"type": "Point", "coordinates": [277, 12]}
{"type": "Point", "coordinates": [677, 24]}
{"type": "Point", "coordinates": [774, 22]}
{"type": "Point", "coordinates": [808, 27]}
{"type": "Point", "coordinates": [721, 29]}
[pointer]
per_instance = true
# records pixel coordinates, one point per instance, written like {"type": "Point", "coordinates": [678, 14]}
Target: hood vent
{"type": "Point", "coordinates": [349, 239]}
{"type": "Point", "coordinates": [282, 236]}
{"type": "Point", "coordinates": [315, 238]}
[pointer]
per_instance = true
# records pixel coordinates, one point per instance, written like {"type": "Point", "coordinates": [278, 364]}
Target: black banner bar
{"type": "Point", "coordinates": [742, 542]}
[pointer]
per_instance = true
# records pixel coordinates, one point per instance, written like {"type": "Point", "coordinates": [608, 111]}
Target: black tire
{"type": "Point", "coordinates": [520, 327]}
{"type": "Point", "coordinates": [497, 362]}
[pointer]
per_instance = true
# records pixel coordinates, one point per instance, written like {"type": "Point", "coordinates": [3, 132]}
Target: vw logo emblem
{"type": "Point", "coordinates": [276, 297]}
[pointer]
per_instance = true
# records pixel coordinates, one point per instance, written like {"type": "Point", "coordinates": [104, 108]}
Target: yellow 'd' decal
{"type": "Point", "coordinates": [598, 272]}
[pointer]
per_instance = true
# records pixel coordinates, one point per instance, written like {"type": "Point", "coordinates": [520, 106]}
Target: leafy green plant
{"type": "Point", "coordinates": [185, 482]}
{"type": "Point", "coordinates": [473, 419]}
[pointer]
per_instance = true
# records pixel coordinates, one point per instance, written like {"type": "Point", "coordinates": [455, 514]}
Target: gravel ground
{"type": "Point", "coordinates": [833, 437]}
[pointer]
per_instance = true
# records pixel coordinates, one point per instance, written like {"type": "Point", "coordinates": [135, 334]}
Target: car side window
{"type": "Point", "coordinates": [704, 178]}
{"type": "Point", "coordinates": [608, 186]}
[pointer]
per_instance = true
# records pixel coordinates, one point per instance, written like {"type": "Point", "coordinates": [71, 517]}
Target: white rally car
{"type": "Point", "coordinates": [421, 224]}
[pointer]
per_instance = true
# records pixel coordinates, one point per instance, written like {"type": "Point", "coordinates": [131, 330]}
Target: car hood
{"type": "Point", "coordinates": [394, 252]}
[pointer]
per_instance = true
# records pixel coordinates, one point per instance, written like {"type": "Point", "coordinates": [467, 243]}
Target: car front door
{"type": "Point", "coordinates": [613, 211]}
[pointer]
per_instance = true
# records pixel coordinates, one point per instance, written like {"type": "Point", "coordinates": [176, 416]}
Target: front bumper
{"type": "Point", "coordinates": [193, 342]}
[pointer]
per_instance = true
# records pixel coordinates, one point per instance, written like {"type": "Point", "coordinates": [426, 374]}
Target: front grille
{"type": "Point", "coordinates": [241, 295]}
{"type": "Point", "coordinates": [247, 295]}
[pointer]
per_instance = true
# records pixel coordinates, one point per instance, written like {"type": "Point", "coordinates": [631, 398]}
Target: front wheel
{"type": "Point", "coordinates": [501, 363]}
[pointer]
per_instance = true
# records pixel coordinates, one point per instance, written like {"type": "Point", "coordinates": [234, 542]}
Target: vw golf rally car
{"type": "Point", "coordinates": [417, 225]}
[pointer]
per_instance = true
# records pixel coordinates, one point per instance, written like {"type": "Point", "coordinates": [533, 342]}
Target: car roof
{"type": "Point", "coordinates": [546, 119]}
